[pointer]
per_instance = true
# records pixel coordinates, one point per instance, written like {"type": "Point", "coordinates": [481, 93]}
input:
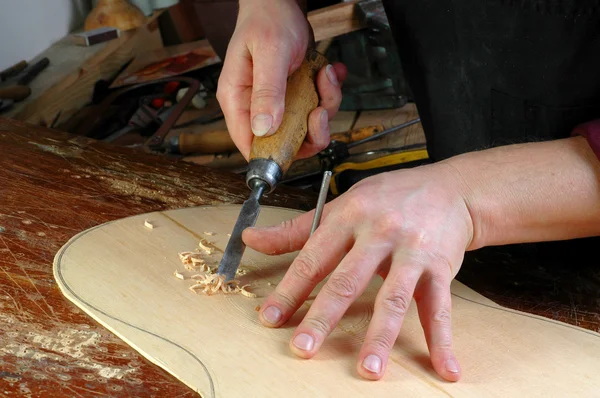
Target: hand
{"type": "Point", "coordinates": [411, 227]}
{"type": "Point", "coordinates": [268, 45]}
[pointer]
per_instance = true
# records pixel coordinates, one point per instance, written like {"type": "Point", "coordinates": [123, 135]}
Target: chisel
{"type": "Point", "coordinates": [271, 157]}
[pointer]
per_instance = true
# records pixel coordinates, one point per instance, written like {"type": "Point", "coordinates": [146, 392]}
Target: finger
{"type": "Point", "coordinates": [329, 80]}
{"type": "Point", "coordinates": [287, 237]}
{"type": "Point", "coordinates": [344, 286]}
{"type": "Point", "coordinates": [318, 136]}
{"type": "Point", "coordinates": [321, 254]}
{"type": "Point", "coordinates": [330, 89]}
{"type": "Point", "coordinates": [233, 94]}
{"type": "Point", "coordinates": [391, 305]}
{"type": "Point", "coordinates": [271, 67]}
{"type": "Point", "coordinates": [434, 304]}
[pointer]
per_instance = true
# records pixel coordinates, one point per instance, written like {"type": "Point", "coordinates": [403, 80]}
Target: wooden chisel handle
{"type": "Point", "coordinates": [301, 98]}
{"type": "Point", "coordinates": [15, 93]}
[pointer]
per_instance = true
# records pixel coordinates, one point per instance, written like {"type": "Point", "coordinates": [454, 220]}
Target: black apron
{"type": "Point", "coordinates": [491, 72]}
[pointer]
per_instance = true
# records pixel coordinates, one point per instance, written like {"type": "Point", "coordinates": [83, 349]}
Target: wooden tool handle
{"type": "Point", "coordinates": [217, 141]}
{"type": "Point", "coordinates": [15, 93]}
{"type": "Point", "coordinates": [357, 134]}
{"type": "Point", "coordinates": [13, 70]}
{"type": "Point", "coordinates": [301, 98]}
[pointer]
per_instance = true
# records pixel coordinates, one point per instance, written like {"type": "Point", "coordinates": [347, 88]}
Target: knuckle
{"type": "Point", "coordinates": [285, 299]}
{"type": "Point", "coordinates": [342, 285]}
{"type": "Point", "coordinates": [382, 342]}
{"type": "Point", "coordinates": [357, 205]}
{"type": "Point", "coordinates": [320, 325]}
{"type": "Point", "coordinates": [306, 268]}
{"type": "Point", "coordinates": [442, 317]}
{"type": "Point", "coordinates": [387, 226]}
{"type": "Point", "coordinates": [396, 303]}
{"type": "Point", "coordinates": [288, 226]}
{"type": "Point", "coordinates": [266, 91]}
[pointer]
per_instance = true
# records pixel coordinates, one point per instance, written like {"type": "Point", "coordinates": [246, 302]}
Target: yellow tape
{"type": "Point", "coordinates": [396, 158]}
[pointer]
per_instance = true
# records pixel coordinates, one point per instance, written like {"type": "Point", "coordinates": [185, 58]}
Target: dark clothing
{"type": "Point", "coordinates": [491, 72]}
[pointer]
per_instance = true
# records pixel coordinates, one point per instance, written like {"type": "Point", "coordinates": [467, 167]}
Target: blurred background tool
{"type": "Point", "coordinates": [16, 79]}
{"type": "Point", "coordinates": [355, 166]}
{"type": "Point", "coordinates": [13, 70]}
{"type": "Point", "coordinates": [27, 75]}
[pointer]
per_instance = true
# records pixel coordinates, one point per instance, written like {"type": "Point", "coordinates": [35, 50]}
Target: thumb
{"type": "Point", "coordinates": [270, 72]}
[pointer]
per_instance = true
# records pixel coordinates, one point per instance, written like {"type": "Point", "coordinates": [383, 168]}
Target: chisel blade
{"type": "Point", "coordinates": [236, 246]}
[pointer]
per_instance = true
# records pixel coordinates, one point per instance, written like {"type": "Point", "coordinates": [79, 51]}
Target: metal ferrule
{"type": "Point", "coordinates": [264, 170]}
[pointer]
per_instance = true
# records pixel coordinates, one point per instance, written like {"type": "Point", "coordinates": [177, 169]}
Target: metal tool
{"type": "Point", "coordinates": [335, 154]}
{"type": "Point", "coordinates": [271, 157]}
{"type": "Point", "coordinates": [321, 201]}
{"type": "Point", "coordinates": [156, 142]}
{"type": "Point", "coordinates": [13, 70]}
{"type": "Point", "coordinates": [31, 72]}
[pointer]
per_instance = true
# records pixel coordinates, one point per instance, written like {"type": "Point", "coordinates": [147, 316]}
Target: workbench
{"type": "Point", "coordinates": [54, 185]}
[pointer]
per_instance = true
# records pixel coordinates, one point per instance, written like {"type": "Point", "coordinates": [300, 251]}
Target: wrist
{"type": "Point", "coordinates": [532, 192]}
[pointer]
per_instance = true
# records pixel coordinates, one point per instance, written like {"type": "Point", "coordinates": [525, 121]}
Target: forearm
{"type": "Point", "coordinates": [531, 192]}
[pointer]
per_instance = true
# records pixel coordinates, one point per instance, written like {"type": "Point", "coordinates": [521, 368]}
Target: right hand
{"type": "Point", "coordinates": [268, 45]}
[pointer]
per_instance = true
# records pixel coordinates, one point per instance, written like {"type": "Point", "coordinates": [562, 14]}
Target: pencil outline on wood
{"type": "Point", "coordinates": [64, 285]}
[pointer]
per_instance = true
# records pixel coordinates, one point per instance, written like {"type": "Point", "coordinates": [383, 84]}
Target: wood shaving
{"type": "Point", "coordinates": [210, 284]}
{"type": "Point", "coordinates": [229, 235]}
{"type": "Point", "coordinates": [257, 308]}
{"type": "Point", "coordinates": [193, 262]}
{"type": "Point", "coordinates": [206, 249]}
{"type": "Point", "coordinates": [148, 224]}
{"type": "Point", "coordinates": [178, 275]}
{"type": "Point", "coordinates": [209, 233]}
{"type": "Point", "coordinates": [207, 281]}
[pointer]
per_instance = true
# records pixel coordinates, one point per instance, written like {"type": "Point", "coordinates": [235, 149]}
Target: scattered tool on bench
{"type": "Point", "coordinates": [22, 74]}
{"type": "Point", "coordinates": [271, 157]}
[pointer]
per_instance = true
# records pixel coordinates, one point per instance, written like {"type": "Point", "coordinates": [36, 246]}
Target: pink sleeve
{"type": "Point", "coordinates": [591, 132]}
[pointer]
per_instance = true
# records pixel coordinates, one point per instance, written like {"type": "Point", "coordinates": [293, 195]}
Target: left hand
{"type": "Point", "coordinates": [412, 227]}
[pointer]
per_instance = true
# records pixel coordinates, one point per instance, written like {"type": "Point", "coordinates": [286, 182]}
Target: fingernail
{"type": "Point", "coordinates": [304, 342]}
{"type": "Point", "coordinates": [272, 315]}
{"type": "Point", "coordinates": [330, 72]}
{"type": "Point", "coordinates": [452, 366]}
{"type": "Point", "coordinates": [372, 363]}
{"type": "Point", "coordinates": [261, 124]}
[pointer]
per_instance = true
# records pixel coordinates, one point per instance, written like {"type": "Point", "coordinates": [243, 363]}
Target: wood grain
{"type": "Point", "coordinates": [336, 20]}
{"type": "Point", "coordinates": [46, 198]}
{"type": "Point", "coordinates": [132, 290]}
{"type": "Point", "coordinates": [388, 118]}
{"type": "Point", "coordinates": [53, 186]}
{"type": "Point", "coordinates": [301, 98]}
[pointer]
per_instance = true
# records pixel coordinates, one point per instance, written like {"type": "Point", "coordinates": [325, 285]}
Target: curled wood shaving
{"type": "Point", "coordinates": [211, 283]}
{"type": "Point", "coordinates": [148, 224]}
{"type": "Point", "coordinates": [209, 233]}
{"type": "Point", "coordinates": [207, 281]}
{"type": "Point", "coordinates": [206, 249]}
{"type": "Point", "coordinates": [193, 261]}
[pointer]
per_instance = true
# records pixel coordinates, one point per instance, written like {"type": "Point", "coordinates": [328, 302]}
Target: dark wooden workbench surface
{"type": "Point", "coordinates": [53, 186]}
